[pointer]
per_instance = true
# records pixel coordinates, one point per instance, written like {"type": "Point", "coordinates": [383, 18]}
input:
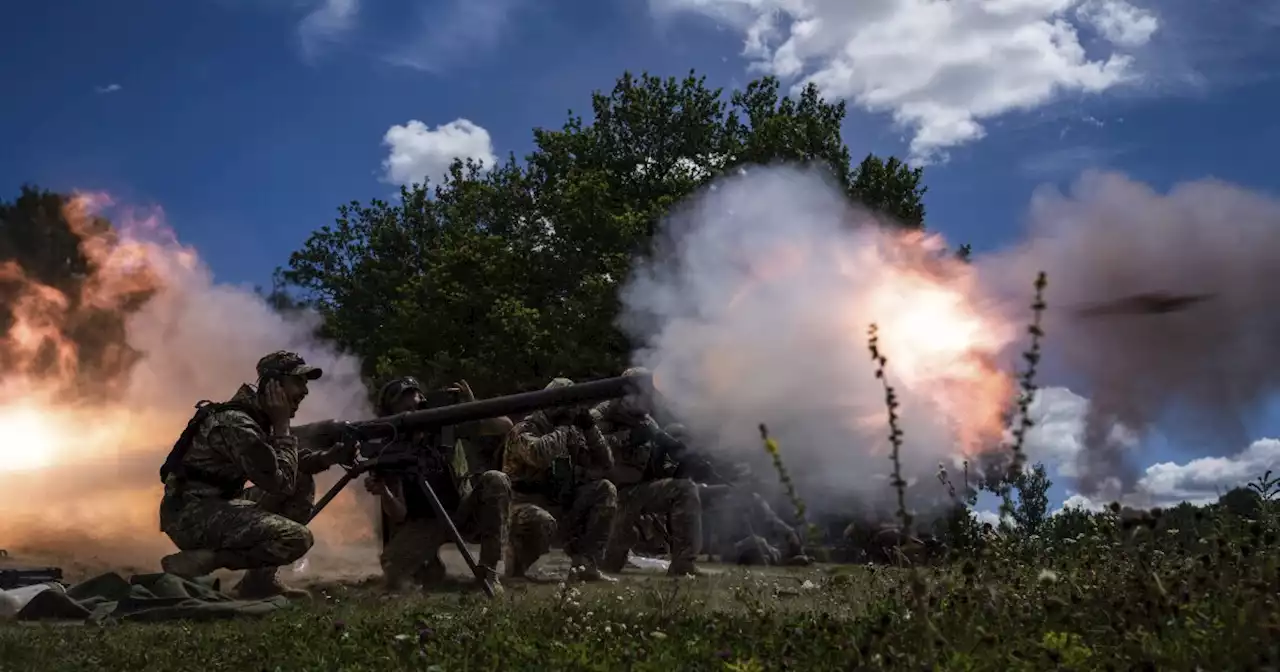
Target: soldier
{"type": "Point", "coordinates": [480, 501]}
{"type": "Point", "coordinates": [640, 450]}
{"type": "Point", "coordinates": [557, 460]}
{"type": "Point", "coordinates": [738, 523]}
{"type": "Point", "coordinates": [752, 533]}
{"type": "Point", "coordinates": [213, 520]}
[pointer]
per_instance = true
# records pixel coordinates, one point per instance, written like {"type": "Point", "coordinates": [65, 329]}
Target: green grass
{"type": "Point", "coordinates": [1120, 597]}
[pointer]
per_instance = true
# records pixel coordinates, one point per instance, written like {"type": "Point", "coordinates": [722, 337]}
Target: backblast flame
{"type": "Point", "coordinates": [100, 374]}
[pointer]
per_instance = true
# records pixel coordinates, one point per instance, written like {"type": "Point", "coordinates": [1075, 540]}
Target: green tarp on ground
{"type": "Point", "coordinates": [143, 598]}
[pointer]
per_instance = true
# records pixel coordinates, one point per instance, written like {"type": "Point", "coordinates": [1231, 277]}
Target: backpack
{"type": "Point", "coordinates": [173, 464]}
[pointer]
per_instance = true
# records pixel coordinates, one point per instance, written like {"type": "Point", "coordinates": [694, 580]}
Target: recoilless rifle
{"type": "Point", "coordinates": [380, 451]}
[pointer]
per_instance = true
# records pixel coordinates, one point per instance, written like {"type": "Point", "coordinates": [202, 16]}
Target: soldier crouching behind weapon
{"type": "Point", "coordinates": [480, 502]}
{"type": "Point", "coordinates": [213, 520]}
{"type": "Point", "coordinates": [639, 449]}
{"type": "Point", "coordinates": [557, 460]}
{"type": "Point", "coordinates": [741, 527]}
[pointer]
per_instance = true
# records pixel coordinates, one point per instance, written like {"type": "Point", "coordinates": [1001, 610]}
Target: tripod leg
{"type": "Point", "coordinates": [452, 529]}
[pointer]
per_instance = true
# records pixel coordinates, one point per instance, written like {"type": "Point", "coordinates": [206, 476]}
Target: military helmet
{"type": "Point", "coordinates": [393, 389]}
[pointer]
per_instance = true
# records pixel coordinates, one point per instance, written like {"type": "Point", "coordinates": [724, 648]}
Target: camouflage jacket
{"type": "Point", "coordinates": [534, 444]}
{"type": "Point", "coordinates": [231, 446]}
{"type": "Point", "coordinates": [630, 437]}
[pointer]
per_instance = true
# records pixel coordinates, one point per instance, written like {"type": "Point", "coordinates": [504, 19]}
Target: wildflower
{"type": "Point", "coordinates": [807, 585]}
{"type": "Point", "coordinates": [1048, 576]}
{"type": "Point", "coordinates": [658, 634]}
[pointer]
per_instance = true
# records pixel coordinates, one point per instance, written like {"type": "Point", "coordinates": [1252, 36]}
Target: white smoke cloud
{"type": "Point", "coordinates": [755, 309]}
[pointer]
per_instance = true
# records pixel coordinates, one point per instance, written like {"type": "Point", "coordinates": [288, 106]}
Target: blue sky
{"type": "Point", "coordinates": [249, 121]}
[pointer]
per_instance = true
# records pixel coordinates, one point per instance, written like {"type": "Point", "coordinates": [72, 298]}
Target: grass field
{"type": "Point", "coordinates": [1112, 600]}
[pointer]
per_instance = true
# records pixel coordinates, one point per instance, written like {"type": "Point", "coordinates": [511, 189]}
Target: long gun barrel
{"type": "Point", "coordinates": [483, 409]}
{"type": "Point", "coordinates": [381, 430]}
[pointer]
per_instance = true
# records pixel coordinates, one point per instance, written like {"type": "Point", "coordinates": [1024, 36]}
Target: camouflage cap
{"type": "Point", "coordinates": [285, 363]}
{"type": "Point", "coordinates": [393, 389]}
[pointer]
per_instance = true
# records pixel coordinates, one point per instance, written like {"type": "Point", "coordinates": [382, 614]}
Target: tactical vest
{"type": "Point", "coordinates": [175, 464]}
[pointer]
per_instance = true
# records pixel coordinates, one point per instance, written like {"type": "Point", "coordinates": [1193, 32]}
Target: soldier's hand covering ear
{"type": "Point", "coordinates": [584, 420]}
{"type": "Point", "coordinates": [276, 403]}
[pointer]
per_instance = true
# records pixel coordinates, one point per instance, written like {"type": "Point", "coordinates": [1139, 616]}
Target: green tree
{"type": "Point", "coordinates": [1242, 501]}
{"type": "Point", "coordinates": [431, 285]}
{"type": "Point", "coordinates": [511, 276]}
{"type": "Point", "coordinates": [1032, 510]}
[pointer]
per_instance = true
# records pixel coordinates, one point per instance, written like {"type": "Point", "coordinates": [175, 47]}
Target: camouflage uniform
{"type": "Point", "coordinates": [738, 523]}
{"type": "Point", "coordinates": [214, 521]}
{"type": "Point", "coordinates": [632, 436]}
{"type": "Point", "coordinates": [556, 466]}
{"type": "Point", "coordinates": [482, 517]}
{"type": "Point", "coordinates": [480, 502]}
{"type": "Point", "coordinates": [750, 532]}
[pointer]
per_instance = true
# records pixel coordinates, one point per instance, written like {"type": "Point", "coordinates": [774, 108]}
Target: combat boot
{"type": "Point", "coordinates": [680, 568]}
{"type": "Point", "coordinates": [190, 564]}
{"type": "Point", "coordinates": [587, 571]}
{"type": "Point", "coordinates": [259, 584]}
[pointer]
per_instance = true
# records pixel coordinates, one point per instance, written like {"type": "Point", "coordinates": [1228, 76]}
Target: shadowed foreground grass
{"type": "Point", "coordinates": [1113, 599]}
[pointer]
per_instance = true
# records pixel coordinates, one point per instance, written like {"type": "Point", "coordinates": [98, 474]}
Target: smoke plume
{"type": "Point", "coordinates": [81, 443]}
{"type": "Point", "coordinates": [1204, 371]}
{"type": "Point", "coordinates": [755, 307]}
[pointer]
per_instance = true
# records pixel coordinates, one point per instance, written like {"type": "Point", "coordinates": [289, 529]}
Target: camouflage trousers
{"type": "Point", "coordinates": [482, 518]}
{"type": "Point", "coordinates": [675, 499]}
{"type": "Point", "coordinates": [254, 531]}
{"type": "Point", "coordinates": [747, 530]}
{"type": "Point", "coordinates": [536, 522]}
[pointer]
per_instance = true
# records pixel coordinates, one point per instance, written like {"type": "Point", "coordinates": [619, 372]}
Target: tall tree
{"type": "Point", "coordinates": [512, 276]}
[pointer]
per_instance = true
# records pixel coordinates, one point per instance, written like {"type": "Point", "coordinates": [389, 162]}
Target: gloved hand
{"type": "Point", "coordinates": [584, 420]}
{"type": "Point", "coordinates": [645, 430]}
{"type": "Point", "coordinates": [343, 452]}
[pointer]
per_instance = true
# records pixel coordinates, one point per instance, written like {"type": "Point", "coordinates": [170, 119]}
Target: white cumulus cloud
{"type": "Point", "coordinates": [939, 67]}
{"type": "Point", "coordinates": [1057, 437]}
{"type": "Point", "coordinates": [1056, 441]}
{"type": "Point", "coordinates": [1199, 481]}
{"type": "Point", "coordinates": [418, 152]}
